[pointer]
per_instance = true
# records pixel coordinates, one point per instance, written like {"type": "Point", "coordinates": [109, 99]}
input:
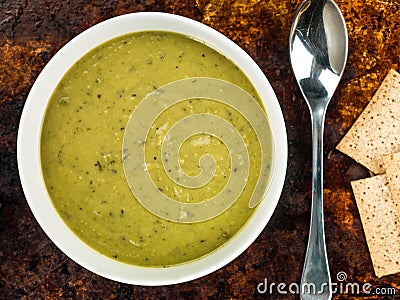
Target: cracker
{"type": "Point", "coordinates": [377, 130]}
{"type": "Point", "coordinates": [380, 220]}
{"type": "Point", "coordinates": [391, 162]}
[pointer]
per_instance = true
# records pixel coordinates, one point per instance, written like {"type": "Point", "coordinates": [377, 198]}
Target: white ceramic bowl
{"type": "Point", "coordinates": [29, 162]}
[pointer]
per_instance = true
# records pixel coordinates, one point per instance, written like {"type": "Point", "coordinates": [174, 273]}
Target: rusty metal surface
{"type": "Point", "coordinates": [32, 31]}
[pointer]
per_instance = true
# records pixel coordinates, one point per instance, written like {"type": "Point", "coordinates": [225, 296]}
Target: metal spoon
{"type": "Point", "coordinates": [318, 53]}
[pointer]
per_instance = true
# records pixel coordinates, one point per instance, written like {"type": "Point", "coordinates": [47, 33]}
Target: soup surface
{"type": "Point", "coordinates": [86, 156]}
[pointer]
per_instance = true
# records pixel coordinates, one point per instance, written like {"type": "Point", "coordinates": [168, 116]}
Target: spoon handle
{"type": "Point", "coordinates": [316, 281]}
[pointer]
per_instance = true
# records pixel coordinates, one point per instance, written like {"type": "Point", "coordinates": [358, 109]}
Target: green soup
{"type": "Point", "coordinates": [82, 153]}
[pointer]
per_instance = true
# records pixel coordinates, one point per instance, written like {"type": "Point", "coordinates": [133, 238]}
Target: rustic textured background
{"type": "Point", "coordinates": [31, 31]}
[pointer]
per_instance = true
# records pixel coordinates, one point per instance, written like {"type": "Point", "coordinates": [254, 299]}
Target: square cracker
{"type": "Point", "coordinates": [377, 130]}
{"type": "Point", "coordinates": [380, 219]}
{"type": "Point", "coordinates": [391, 162]}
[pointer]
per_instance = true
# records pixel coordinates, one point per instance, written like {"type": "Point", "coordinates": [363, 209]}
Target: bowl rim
{"type": "Point", "coordinates": [28, 151]}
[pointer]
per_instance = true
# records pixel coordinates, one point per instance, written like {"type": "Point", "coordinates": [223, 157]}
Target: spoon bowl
{"type": "Point", "coordinates": [318, 48]}
{"type": "Point", "coordinates": [318, 53]}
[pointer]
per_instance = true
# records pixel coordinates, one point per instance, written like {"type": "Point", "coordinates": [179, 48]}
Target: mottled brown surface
{"type": "Point", "coordinates": [32, 31]}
